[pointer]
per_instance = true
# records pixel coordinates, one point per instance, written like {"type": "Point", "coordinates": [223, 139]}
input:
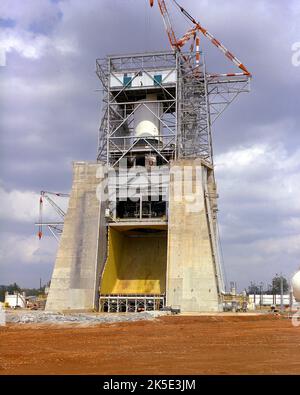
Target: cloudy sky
{"type": "Point", "coordinates": [50, 111]}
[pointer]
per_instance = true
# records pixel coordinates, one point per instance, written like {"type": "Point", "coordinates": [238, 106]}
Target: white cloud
{"type": "Point", "coordinates": [23, 206]}
{"type": "Point", "coordinates": [26, 12]}
{"type": "Point", "coordinates": [19, 206]}
{"type": "Point", "coordinates": [33, 46]}
{"type": "Point", "coordinates": [26, 249]}
{"type": "Point", "coordinates": [289, 244]}
{"type": "Point", "coordinates": [33, 34]}
{"type": "Point", "coordinates": [27, 44]}
{"type": "Point", "coordinates": [239, 159]}
{"type": "Point", "coordinates": [259, 210]}
{"type": "Point", "coordinates": [261, 173]}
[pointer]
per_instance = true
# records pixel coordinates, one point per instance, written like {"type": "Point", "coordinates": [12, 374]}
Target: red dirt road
{"type": "Point", "coordinates": [169, 345]}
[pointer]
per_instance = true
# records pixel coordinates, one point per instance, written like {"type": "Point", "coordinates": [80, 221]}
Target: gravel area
{"type": "Point", "coordinates": [40, 317]}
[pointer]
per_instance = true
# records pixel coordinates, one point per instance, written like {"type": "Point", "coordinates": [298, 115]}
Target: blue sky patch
{"type": "Point", "coordinates": [45, 27]}
{"type": "Point", "coordinates": [7, 22]}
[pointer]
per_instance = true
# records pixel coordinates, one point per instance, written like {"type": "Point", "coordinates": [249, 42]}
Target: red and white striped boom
{"type": "Point", "coordinates": [176, 45]}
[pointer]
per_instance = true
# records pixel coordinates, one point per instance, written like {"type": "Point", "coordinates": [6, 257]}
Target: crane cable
{"type": "Point", "coordinates": [214, 41]}
{"type": "Point", "coordinates": [183, 14]}
{"type": "Point", "coordinates": [223, 267]}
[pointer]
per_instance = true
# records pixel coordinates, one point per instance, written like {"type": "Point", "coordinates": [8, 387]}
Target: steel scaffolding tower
{"type": "Point", "coordinates": [190, 103]}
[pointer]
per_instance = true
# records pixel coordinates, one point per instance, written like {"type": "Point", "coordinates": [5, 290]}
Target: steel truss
{"type": "Point", "coordinates": [222, 91]}
{"type": "Point", "coordinates": [131, 303]}
{"type": "Point", "coordinates": [190, 106]}
{"type": "Point", "coordinates": [55, 228]}
{"type": "Point", "coordinates": [116, 136]}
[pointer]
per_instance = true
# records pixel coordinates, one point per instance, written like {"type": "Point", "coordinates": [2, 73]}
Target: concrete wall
{"type": "Point", "coordinates": [82, 250]}
{"type": "Point", "coordinates": [192, 275]}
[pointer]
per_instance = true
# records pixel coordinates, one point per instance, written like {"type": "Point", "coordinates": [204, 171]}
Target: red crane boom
{"type": "Point", "coordinates": [177, 44]}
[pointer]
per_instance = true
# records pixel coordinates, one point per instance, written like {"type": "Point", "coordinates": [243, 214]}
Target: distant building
{"type": "Point", "coordinates": [15, 299]}
{"type": "Point", "coordinates": [269, 300]}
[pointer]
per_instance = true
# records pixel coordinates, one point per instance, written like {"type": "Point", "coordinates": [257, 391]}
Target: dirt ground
{"type": "Point", "coordinates": [168, 345]}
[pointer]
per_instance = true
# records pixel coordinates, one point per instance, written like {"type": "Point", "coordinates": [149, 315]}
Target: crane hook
{"type": "Point", "coordinates": [151, 3]}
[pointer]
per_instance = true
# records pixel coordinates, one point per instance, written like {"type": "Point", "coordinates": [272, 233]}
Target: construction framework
{"type": "Point", "coordinates": [131, 303]}
{"type": "Point", "coordinates": [54, 227]}
{"type": "Point", "coordinates": [191, 104]}
{"type": "Point", "coordinates": [143, 245]}
{"type": "Point", "coordinates": [116, 137]}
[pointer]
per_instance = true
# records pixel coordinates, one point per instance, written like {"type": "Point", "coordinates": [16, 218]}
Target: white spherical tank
{"type": "Point", "coordinates": [146, 122]}
{"type": "Point", "coordinates": [296, 286]}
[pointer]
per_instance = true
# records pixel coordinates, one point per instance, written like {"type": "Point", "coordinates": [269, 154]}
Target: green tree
{"type": "Point", "coordinates": [276, 285]}
{"type": "Point", "coordinates": [253, 289]}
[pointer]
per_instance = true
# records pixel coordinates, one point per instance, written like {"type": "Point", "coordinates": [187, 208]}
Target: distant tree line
{"type": "Point", "coordinates": [269, 289]}
{"type": "Point", "coordinates": [15, 288]}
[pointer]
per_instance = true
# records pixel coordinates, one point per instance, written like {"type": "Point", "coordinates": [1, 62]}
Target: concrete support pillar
{"type": "Point", "coordinates": [193, 280]}
{"type": "Point", "coordinates": [82, 248]}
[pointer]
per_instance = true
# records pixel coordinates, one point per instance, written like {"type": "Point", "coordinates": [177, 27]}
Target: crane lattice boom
{"type": "Point", "coordinates": [177, 44]}
{"type": "Point", "coordinates": [52, 226]}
